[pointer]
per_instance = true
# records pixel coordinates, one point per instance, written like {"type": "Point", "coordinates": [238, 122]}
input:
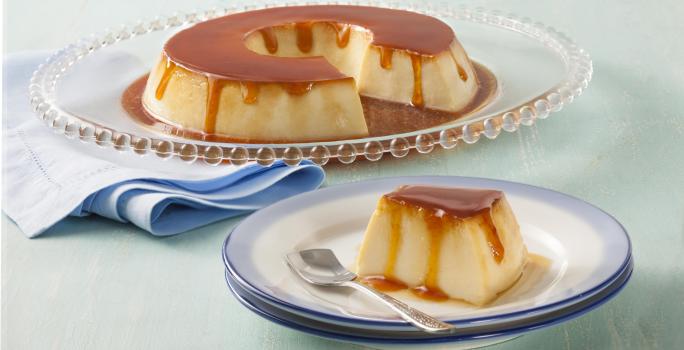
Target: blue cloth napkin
{"type": "Point", "coordinates": [48, 177]}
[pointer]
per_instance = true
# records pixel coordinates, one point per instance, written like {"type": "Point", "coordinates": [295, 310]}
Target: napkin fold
{"type": "Point", "coordinates": [48, 177]}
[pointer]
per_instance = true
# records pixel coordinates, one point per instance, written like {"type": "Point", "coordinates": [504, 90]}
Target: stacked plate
{"type": "Point", "coordinates": [581, 258]}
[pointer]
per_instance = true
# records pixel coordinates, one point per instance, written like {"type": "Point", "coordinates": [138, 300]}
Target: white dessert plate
{"type": "Point", "coordinates": [584, 249]}
{"type": "Point", "coordinates": [539, 71]}
{"type": "Point", "coordinates": [464, 328]}
{"type": "Point", "coordinates": [462, 339]}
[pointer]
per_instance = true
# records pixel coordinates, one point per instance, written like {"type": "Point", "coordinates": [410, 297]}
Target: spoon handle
{"type": "Point", "coordinates": [416, 317]}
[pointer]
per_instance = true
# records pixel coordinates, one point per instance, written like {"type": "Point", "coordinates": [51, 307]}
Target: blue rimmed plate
{"type": "Point", "coordinates": [585, 249]}
{"type": "Point", "coordinates": [476, 337]}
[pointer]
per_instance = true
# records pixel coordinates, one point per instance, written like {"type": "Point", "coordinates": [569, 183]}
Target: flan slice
{"type": "Point", "coordinates": [443, 243]}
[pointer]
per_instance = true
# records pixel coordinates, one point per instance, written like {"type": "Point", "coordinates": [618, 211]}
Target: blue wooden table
{"type": "Point", "coordinates": [92, 283]}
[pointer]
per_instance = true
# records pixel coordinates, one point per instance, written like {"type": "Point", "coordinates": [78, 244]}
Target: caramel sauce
{"type": "Point", "coordinates": [304, 36]}
{"type": "Point", "coordinates": [461, 72]}
{"type": "Point", "coordinates": [164, 81]}
{"type": "Point", "coordinates": [535, 270]}
{"type": "Point", "coordinates": [131, 99]}
{"type": "Point", "coordinates": [492, 237]}
{"type": "Point", "coordinates": [383, 283]}
{"type": "Point", "coordinates": [298, 88]}
{"type": "Point", "coordinates": [197, 49]}
{"type": "Point", "coordinates": [395, 212]}
{"type": "Point", "coordinates": [457, 202]}
{"type": "Point", "coordinates": [388, 281]}
{"type": "Point", "coordinates": [440, 209]}
{"type": "Point", "coordinates": [343, 34]}
{"type": "Point", "coordinates": [386, 57]}
{"type": "Point", "coordinates": [270, 40]}
{"type": "Point", "coordinates": [387, 118]}
{"type": "Point", "coordinates": [417, 62]}
{"type": "Point", "coordinates": [214, 88]}
{"type": "Point", "coordinates": [426, 293]}
{"type": "Point", "coordinates": [250, 91]}
{"type": "Point", "coordinates": [206, 47]}
{"type": "Point", "coordinates": [436, 230]}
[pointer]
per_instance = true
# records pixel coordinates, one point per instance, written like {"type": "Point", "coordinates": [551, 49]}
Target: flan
{"type": "Point", "coordinates": [443, 243]}
{"type": "Point", "coordinates": [297, 73]}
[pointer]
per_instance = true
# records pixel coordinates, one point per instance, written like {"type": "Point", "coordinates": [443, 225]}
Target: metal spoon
{"type": "Point", "coordinates": [321, 267]}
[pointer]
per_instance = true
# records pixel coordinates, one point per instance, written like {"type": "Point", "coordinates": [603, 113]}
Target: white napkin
{"type": "Point", "coordinates": [47, 176]}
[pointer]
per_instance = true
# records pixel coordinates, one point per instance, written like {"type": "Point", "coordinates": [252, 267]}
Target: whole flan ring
{"type": "Point", "coordinates": [295, 73]}
{"type": "Point", "coordinates": [217, 47]}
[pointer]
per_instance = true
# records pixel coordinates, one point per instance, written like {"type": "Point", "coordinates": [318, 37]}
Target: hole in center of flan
{"type": "Point", "coordinates": [337, 42]}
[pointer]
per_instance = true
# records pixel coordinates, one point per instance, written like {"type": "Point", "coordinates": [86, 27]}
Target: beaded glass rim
{"type": "Point", "coordinates": [44, 80]}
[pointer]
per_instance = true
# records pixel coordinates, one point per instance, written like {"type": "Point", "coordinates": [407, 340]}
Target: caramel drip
{"type": "Point", "coordinates": [417, 62]}
{"type": "Point", "coordinates": [438, 223]}
{"type": "Point", "coordinates": [270, 40]}
{"type": "Point", "coordinates": [383, 117]}
{"type": "Point", "coordinates": [164, 81]}
{"type": "Point", "coordinates": [388, 282]}
{"type": "Point", "coordinates": [250, 91]}
{"type": "Point", "coordinates": [492, 237]}
{"type": "Point", "coordinates": [395, 238]}
{"type": "Point", "coordinates": [436, 230]}
{"type": "Point", "coordinates": [386, 57]}
{"type": "Point", "coordinates": [461, 72]}
{"type": "Point", "coordinates": [298, 88]}
{"type": "Point", "coordinates": [214, 88]}
{"type": "Point", "coordinates": [304, 36]}
{"type": "Point", "coordinates": [197, 46]}
{"type": "Point", "coordinates": [343, 34]}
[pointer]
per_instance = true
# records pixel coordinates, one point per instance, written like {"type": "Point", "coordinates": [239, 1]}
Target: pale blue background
{"type": "Point", "coordinates": [93, 283]}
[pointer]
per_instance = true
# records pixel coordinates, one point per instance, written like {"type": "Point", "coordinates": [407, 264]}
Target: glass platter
{"type": "Point", "coordinates": [77, 91]}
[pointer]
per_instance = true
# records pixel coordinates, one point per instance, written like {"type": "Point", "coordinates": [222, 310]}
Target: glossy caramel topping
{"type": "Point", "coordinates": [457, 202]}
{"type": "Point", "coordinates": [216, 47]}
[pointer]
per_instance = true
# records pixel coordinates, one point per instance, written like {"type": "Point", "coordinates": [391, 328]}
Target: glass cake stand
{"type": "Point", "coordinates": [77, 91]}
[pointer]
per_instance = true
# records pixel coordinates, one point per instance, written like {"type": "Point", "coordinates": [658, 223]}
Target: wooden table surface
{"type": "Point", "coordinates": [93, 283]}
